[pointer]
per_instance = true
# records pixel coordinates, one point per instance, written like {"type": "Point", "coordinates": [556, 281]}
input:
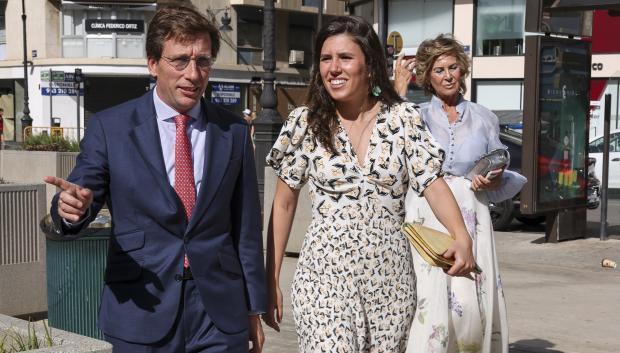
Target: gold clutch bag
{"type": "Point", "coordinates": [431, 244]}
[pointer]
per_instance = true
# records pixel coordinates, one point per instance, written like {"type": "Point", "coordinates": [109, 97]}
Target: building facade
{"type": "Point", "coordinates": [106, 40]}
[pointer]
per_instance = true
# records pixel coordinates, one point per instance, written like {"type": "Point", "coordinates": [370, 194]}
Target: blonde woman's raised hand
{"type": "Point", "coordinates": [403, 72]}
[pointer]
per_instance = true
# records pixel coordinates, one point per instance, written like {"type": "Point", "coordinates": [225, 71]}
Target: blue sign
{"type": "Point", "coordinates": [60, 91]}
{"type": "Point", "coordinates": [225, 93]}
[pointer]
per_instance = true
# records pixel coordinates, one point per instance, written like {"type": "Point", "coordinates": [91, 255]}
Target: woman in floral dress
{"type": "Point", "coordinates": [458, 315]}
{"type": "Point", "coordinates": [360, 148]}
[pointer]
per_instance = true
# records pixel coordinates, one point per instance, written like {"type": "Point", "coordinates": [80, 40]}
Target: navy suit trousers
{"type": "Point", "coordinates": [193, 332]}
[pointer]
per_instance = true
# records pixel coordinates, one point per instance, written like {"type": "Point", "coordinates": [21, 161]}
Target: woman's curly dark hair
{"type": "Point", "coordinates": [322, 117]}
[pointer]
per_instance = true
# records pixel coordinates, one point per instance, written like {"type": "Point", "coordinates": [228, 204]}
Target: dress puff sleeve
{"type": "Point", "coordinates": [423, 155]}
{"type": "Point", "coordinates": [289, 157]}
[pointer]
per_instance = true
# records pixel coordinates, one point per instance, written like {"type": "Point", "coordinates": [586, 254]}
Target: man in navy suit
{"type": "Point", "coordinates": [185, 268]}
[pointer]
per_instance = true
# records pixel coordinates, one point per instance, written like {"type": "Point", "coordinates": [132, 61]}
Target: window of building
{"type": "Point", "coordinates": [249, 43]}
{"type": "Point", "coordinates": [500, 27]}
{"type": "Point", "coordinates": [417, 20]}
{"type": "Point", "coordinates": [362, 8]}
{"type": "Point", "coordinates": [104, 30]}
{"type": "Point", "coordinates": [2, 30]}
{"type": "Point", "coordinates": [312, 3]}
{"type": "Point", "coordinates": [301, 39]}
{"type": "Point", "coordinates": [503, 97]}
{"type": "Point", "coordinates": [500, 95]}
{"type": "Point", "coordinates": [597, 114]}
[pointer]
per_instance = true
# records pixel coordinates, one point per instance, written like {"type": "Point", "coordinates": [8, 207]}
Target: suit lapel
{"type": "Point", "coordinates": [145, 136]}
{"type": "Point", "coordinates": [218, 147]}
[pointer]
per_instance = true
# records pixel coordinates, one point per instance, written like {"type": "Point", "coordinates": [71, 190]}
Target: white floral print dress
{"type": "Point", "coordinates": [353, 289]}
{"type": "Point", "coordinates": [456, 314]}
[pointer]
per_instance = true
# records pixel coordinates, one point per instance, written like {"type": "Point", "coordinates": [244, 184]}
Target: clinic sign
{"type": "Point", "coordinates": [225, 93]}
{"type": "Point", "coordinates": [115, 26]}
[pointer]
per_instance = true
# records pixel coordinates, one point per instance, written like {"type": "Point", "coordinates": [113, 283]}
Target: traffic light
{"type": "Point", "coordinates": [77, 76]}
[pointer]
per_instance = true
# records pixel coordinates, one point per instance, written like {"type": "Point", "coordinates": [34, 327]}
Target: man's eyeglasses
{"type": "Point", "coordinates": [202, 62]}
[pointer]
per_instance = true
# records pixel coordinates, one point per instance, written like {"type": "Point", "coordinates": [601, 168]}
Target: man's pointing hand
{"type": "Point", "coordinates": [73, 200]}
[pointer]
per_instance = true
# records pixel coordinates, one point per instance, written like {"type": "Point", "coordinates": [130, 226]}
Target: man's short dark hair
{"type": "Point", "coordinates": [182, 23]}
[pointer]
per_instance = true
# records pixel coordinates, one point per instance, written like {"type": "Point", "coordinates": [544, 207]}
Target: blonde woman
{"type": "Point", "coordinates": [457, 314]}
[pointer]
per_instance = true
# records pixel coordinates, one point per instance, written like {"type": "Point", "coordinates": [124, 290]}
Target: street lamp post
{"type": "Point", "coordinates": [319, 17]}
{"type": "Point", "coordinates": [26, 119]}
{"type": "Point", "coordinates": [77, 81]}
{"type": "Point", "coordinates": [268, 123]}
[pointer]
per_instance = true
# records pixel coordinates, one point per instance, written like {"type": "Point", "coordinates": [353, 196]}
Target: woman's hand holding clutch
{"type": "Point", "coordinates": [491, 181]}
{"type": "Point", "coordinates": [461, 252]}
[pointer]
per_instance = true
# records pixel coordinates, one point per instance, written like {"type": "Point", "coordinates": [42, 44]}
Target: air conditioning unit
{"type": "Point", "coordinates": [296, 57]}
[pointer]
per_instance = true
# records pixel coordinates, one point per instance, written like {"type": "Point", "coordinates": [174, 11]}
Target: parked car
{"type": "Point", "coordinates": [595, 150]}
{"type": "Point", "coordinates": [502, 213]}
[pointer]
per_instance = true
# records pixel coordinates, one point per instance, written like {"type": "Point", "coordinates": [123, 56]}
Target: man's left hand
{"type": "Point", "coordinates": [257, 336]}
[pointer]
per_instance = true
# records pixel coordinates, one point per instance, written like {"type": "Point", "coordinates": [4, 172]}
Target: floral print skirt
{"type": "Point", "coordinates": [457, 314]}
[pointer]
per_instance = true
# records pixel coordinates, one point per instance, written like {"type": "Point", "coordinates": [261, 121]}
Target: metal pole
{"type": "Point", "coordinates": [319, 21]}
{"type": "Point", "coordinates": [26, 119]}
{"type": "Point", "coordinates": [50, 90]}
{"type": "Point", "coordinates": [607, 117]}
{"type": "Point", "coordinates": [268, 123]}
{"type": "Point", "coordinates": [382, 18]}
{"type": "Point", "coordinates": [77, 93]}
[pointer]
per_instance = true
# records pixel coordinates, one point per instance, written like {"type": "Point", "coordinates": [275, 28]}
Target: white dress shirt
{"type": "Point", "coordinates": [196, 131]}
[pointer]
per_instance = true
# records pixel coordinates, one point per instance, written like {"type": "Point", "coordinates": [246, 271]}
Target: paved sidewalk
{"type": "Point", "coordinates": [559, 298]}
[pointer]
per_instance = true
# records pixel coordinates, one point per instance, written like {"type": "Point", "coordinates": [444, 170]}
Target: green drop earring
{"type": "Point", "coordinates": [376, 91]}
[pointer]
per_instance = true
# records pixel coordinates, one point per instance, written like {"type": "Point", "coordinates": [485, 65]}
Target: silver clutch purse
{"type": "Point", "coordinates": [493, 160]}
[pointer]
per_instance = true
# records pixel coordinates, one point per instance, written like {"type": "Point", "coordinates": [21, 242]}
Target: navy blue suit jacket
{"type": "Point", "coordinates": [121, 162]}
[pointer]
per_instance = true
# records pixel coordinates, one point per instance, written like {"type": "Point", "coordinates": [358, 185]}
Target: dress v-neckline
{"type": "Point", "coordinates": [353, 154]}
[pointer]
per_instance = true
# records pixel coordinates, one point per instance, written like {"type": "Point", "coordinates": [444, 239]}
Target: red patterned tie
{"type": "Point", "coordinates": [184, 169]}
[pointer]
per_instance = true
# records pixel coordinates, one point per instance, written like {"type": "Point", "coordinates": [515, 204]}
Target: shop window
{"type": "Point", "coordinates": [101, 47]}
{"type": "Point", "coordinates": [417, 20]}
{"type": "Point", "coordinates": [129, 47]}
{"type": "Point", "coordinates": [105, 38]}
{"type": "Point", "coordinates": [73, 47]}
{"type": "Point", "coordinates": [500, 95]}
{"type": "Point", "coordinates": [500, 27]}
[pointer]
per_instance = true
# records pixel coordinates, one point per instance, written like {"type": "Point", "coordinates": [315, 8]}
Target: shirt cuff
{"type": "Point", "coordinates": [78, 223]}
{"type": "Point", "coordinates": [253, 313]}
